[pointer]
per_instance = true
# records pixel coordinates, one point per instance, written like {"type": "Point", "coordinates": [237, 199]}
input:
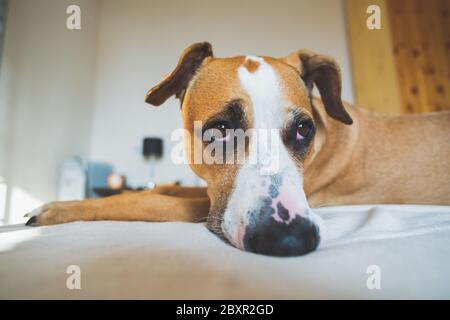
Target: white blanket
{"type": "Point", "coordinates": [408, 245]}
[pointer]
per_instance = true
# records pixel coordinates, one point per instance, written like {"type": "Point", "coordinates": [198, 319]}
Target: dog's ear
{"type": "Point", "coordinates": [324, 72]}
{"type": "Point", "coordinates": [177, 81]}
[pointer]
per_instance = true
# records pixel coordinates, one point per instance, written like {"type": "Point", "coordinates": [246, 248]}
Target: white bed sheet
{"type": "Point", "coordinates": [410, 245]}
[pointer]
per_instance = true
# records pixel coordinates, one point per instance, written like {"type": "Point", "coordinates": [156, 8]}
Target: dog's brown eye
{"type": "Point", "coordinates": [220, 131]}
{"type": "Point", "coordinates": [222, 126]}
{"type": "Point", "coordinates": [304, 129]}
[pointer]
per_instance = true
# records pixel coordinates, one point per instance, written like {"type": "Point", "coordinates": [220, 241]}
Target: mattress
{"type": "Point", "coordinates": [371, 252]}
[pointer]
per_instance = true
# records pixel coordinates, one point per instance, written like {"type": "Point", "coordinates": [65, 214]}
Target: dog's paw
{"type": "Point", "coordinates": [48, 214]}
{"type": "Point", "coordinates": [33, 215]}
{"type": "Point", "coordinates": [31, 222]}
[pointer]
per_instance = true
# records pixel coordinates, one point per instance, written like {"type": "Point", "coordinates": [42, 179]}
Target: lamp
{"type": "Point", "coordinates": [152, 150]}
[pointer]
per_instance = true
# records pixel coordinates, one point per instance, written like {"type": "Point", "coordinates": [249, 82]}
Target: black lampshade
{"type": "Point", "coordinates": [152, 147]}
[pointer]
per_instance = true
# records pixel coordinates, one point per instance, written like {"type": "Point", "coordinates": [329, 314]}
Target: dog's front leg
{"type": "Point", "coordinates": [134, 206]}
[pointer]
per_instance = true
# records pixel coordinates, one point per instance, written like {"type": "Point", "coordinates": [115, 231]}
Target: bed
{"type": "Point", "coordinates": [371, 252]}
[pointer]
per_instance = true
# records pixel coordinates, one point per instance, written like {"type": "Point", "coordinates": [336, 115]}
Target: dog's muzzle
{"type": "Point", "coordinates": [277, 229]}
{"type": "Point", "coordinates": [270, 215]}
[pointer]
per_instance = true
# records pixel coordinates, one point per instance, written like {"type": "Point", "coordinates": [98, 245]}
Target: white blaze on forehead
{"type": "Point", "coordinates": [263, 87]}
{"type": "Point", "coordinates": [264, 90]}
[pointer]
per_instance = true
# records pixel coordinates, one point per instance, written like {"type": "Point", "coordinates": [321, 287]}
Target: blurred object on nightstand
{"type": "Point", "coordinates": [106, 192]}
{"type": "Point", "coordinates": [152, 150]}
{"type": "Point", "coordinates": [79, 178]}
{"type": "Point", "coordinates": [98, 174]}
{"type": "Point", "coordinates": [116, 181]}
{"type": "Point", "coordinates": [116, 184]}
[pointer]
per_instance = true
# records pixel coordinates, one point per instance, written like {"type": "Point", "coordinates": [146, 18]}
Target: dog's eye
{"type": "Point", "coordinates": [222, 126]}
{"type": "Point", "coordinates": [304, 130]}
{"type": "Point", "coordinates": [298, 134]}
{"type": "Point", "coordinates": [220, 131]}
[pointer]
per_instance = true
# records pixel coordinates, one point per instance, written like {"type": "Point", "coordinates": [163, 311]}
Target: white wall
{"type": "Point", "coordinates": [46, 87]}
{"type": "Point", "coordinates": [140, 41]}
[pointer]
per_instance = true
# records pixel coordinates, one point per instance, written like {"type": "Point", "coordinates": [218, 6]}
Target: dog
{"type": "Point", "coordinates": [332, 153]}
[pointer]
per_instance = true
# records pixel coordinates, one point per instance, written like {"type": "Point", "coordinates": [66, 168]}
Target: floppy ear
{"type": "Point", "coordinates": [324, 72]}
{"type": "Point", "coordinates": [177, 81]}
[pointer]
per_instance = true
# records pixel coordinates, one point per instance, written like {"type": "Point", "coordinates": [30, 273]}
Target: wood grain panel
{"type": "Point", "coordinates": [374, 72]}
{"type": "Point", "coordinates": [421, 44]}
{"type": "Point", "coordinates": [405, 67]}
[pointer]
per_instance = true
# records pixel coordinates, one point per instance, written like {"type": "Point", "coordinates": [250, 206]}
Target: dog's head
{"type": "Point", "coordinates": [253, 122]}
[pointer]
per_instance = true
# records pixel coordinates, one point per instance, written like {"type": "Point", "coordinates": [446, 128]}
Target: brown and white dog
{"type": "Point", "coordinates": [331, 154]}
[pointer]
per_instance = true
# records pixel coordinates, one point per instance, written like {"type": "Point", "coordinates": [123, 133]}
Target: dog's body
{"type": "Point", "coordinates": [382, 159]}
{"type": "Point", "coordinates": [332, 154]}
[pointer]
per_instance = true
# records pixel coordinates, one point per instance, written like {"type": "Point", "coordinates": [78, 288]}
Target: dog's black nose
{"type": "Point", "coordinates": [274, 238]}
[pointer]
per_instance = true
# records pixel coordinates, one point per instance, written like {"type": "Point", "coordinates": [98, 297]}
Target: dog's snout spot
{"type": "Point", "coordinates": [276, 180]}
{"type": "Point", "coordinates": [266, 208]}
{"type": "Point", "coordinates": [273, 191]}
{"type": "Point", "coordinates": [283, 213]}
{"type": "Point", "coordinates": [274, 187]}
